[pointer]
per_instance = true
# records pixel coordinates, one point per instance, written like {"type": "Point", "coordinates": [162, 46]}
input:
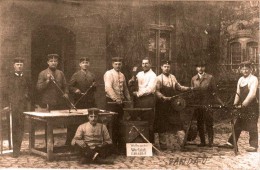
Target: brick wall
{"type": "Point", "coordinates": [19, 19]}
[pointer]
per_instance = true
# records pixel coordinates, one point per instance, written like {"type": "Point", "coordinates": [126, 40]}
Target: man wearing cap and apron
{"type": "Point", "coordinates": [82, 81]}
{"type": "Point", "coordinates": [246, 101]}
{"type": "Point", "coordinates": [205, 93]}
{"type": "Point", "coordinates": [17, 94]}
{"type": "Point", "coordinates": [166, 118]}
{"type": "Point", "coordinates": [49, 93]}
{"type": "Point", "coordinates": [116, 92]}
{"type": "Point", "coordinates": [92, 140]}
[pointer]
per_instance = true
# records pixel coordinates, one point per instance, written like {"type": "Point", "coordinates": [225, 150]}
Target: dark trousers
{"type": "Point", "coordinates": [88, 153]}
{"type": "Point", "coordinates": [147, 102]}
{"type": "Point", "coordinates": [252, 129]}
{"type": "Point", "coordinates": [118, 108]}
{"type": "Point", "coordinates": [17, 130]}
{"type": "Point", "coordinates": [204, 118]}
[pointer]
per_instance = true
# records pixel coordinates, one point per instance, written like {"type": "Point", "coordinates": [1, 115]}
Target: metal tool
{"type": "Point", "coordinates": [178, 104]}
{"type": "Point", "coordinates": [83, 94]}
{"type": "Point", "coordinates": [53, 80]}
{"type": "Point", "coordinates": [122, 102]}
{"type": "Point", "coordinates": [133, 126]}
{"type": "Point", "coordinates": [178, 95]}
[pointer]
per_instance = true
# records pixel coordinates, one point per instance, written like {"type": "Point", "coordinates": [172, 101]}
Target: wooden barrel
{"type": "Point", "coordinates": [128, 134]}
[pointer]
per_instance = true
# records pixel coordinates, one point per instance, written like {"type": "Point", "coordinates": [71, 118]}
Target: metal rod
{"type": "Point", "coordinates": [145, 138]}
{"type": "Point", "coordinates": [84, 94]}
{"type": "Point", "coordinates": [11, 126]}
{"type": "Point", "coordinates": [122, 101]}
{"type": "Point", "coordinates": [73, 106]}
{"type": "Point", "coordinates": [234, 137]}
{"type": "Point", "coordinates": [1, 133]}
{"type": "Point", "coordinates": [181, 94]}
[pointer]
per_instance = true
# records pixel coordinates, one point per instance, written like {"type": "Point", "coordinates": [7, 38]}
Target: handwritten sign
{"type": "Point", "coordinates": [139, 149]}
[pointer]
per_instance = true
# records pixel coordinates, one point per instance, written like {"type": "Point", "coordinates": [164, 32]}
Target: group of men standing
{"type": "Point", "coordinates": [153, 92]}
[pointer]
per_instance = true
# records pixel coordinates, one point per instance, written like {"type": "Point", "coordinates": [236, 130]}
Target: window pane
{"type": "Point", "coordinates": [252, 51]}
{"type": "Point", "coordinates": [235, 53]}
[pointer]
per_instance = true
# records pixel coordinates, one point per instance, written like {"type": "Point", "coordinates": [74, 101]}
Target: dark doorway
{"type": "Point", "coordinates": [52, 39]}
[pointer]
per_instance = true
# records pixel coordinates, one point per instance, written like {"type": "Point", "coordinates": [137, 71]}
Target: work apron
{"type": "Point", "coordinates": [248, 115]}
{"type": "Point", "coordinates": [167, 119]}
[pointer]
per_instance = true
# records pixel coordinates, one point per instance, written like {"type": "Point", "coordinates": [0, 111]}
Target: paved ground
{"type": "Point", "coordinates": [192, 158]}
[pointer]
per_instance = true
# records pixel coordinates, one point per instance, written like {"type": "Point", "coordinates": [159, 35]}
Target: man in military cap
{"type": "Point", "coordinates": [17, 94]}
{"type": "Point", "coordinates": [116, 92]}
{"type": "Point", "coordinates": [81, 82]}
{"type": "Point", "coordinates": [205, 93]}
{"type": "Point", "coordinates": [167, 119]}
{"type": "Point", "coordinates": [49, 92]}
{"type": "Point", "coordinates": [246, 102]}
{"type": "Point", "coordinates": [144, 97]}
{"type": "Point", "coordinates": [92, 140]}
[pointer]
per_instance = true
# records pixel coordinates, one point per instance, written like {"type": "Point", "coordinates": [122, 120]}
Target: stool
{"type": "Point", "coordinates": [5, 116]}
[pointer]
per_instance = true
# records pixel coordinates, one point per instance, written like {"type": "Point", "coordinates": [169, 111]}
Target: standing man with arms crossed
{"type": "Point", "coordinates": [18, 98]}
{"type": "Point", "coordinates": [246, 102]}
{"type": "Point", "coordinates": [82, 81]}
{"type": "Point", "coordinates": [144, 97]}
{"type": "Point", "coordinates": [205, 91]}
{"type": "Point", "coordinates": [116, 92]}
{"type": "Point", "coordinates": [167, 119]}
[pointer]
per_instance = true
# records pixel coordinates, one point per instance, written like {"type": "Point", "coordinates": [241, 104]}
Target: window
{"type": "Point", "coordinates": [243, 49]}
{"type": "Point", "coordinates": [159, 47]}
{"type": "Point", "coordinates": [235, 54]}
{"type": "Point", "coordinates": [252, 52]}
{"type": "Point", "coordinates": [160, 35]}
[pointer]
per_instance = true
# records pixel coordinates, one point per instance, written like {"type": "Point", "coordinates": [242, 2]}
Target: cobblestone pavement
{"type": "Point", "coordinates": [192, 158]}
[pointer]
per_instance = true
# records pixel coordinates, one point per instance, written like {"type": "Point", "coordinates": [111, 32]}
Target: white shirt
{"type": "Point", "coordinates": [115, 85]}
{"type": "Point", "coordinates": [146, 83]}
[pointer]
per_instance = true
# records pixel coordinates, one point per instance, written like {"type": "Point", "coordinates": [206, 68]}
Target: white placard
{"type": "Point", "coordinates": [139, 149]}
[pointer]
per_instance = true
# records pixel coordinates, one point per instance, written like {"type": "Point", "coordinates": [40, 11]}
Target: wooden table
{"type": "Point", "coordinates": [59, 117]}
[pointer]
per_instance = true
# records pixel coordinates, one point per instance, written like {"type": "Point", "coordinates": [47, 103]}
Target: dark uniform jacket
{"type": "Point", "coordinates": [83, 80]}
{"type": "Point", "coordinates": [49, 93]}
{"type": "Point", "coordinates": [17, 91]}
{"type": "Point", "coordinates": [204, 89]}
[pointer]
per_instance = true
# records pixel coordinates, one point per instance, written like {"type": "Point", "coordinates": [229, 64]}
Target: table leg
{"type": "Point", "coordinates": [49, 141]}
{"type": "Point", "coordinates": [31, 135]}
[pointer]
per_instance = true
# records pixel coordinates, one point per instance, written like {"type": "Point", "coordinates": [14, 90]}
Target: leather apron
{"type": "Point", "coordinates": [249, 114]}
{"type": "Point", "coordinates": [167, 118]}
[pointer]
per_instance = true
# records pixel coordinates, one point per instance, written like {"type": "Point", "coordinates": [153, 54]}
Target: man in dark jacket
{"type": "Point", "coordinates": [49, 93]}
{"type": "Point", "coordinates": [82, 81]}
{"type": "Point", "coordinates": [205, 90]}
{"type": "Point", "coordinates": [18, 97]}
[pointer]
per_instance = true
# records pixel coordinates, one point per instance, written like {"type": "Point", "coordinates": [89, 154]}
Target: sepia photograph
{"type": "Point", "coordinates": [129, 84]}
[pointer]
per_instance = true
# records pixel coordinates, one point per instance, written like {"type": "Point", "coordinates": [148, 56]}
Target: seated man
{"type": "Point", "coordinates": [93, 141]}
